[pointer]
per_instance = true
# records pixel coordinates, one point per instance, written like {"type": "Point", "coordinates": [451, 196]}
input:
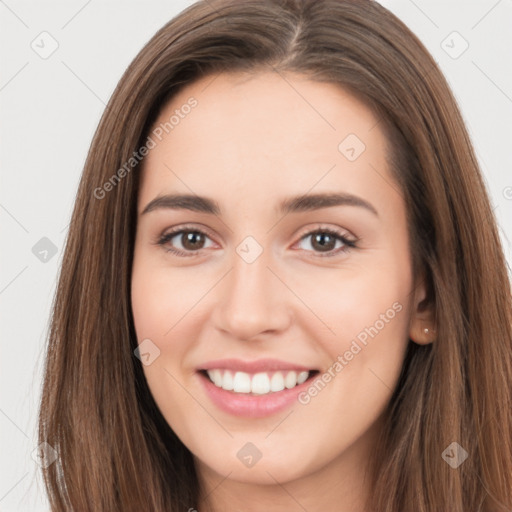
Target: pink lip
{"type": "Point", "coordinates": [249, 405]}
{"type": "Point", "coordinates": [260, 365]}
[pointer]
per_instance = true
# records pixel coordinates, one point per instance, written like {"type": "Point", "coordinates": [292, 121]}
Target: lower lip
{"type": "Point", "coordinates": [251, 406]}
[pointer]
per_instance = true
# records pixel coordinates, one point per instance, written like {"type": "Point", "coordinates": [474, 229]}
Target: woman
{"type": "Point", "coordinates": [283, 286]}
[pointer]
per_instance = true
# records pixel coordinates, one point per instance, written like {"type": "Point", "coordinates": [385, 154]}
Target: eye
{"type": "Point", "coordinates": [191, 240]}
{"type": "Point", "coordinates": [325, 240]}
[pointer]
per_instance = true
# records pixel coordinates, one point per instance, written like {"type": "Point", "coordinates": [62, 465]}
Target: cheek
{"type": "Point", "coordinates": [160, 297]}
{"type": "Point", "coordinates": [368, 313]}
{"type": "Point", "coordinates": [162, 313]}
{"type": "Point", "coordinates": [156, 309]}
{"type": "Point", "coordinates": [362, 323]}
{"type": "Point", "coordinates": [168, 310]}
{"type": "Point", "coordinates": [358, 304]}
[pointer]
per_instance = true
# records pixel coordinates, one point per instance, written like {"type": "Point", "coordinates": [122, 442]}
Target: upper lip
{"type": "Point", "coordinates": [260, 365]}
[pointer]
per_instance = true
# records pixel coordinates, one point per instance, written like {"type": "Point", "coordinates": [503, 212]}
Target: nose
{"type": "Point", "coordinates": [252, 300]}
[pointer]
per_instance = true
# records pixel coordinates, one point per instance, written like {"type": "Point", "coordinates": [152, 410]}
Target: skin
{"type": "Point", "coordinates": [251, 141]}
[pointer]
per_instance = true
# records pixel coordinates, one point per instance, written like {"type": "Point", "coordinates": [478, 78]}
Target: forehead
{"type": "Point", "coordinates": [281, 132]}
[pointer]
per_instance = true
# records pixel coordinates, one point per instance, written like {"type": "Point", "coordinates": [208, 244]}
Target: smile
{"type": "Point", "coordinates": [261, 383]}
{"type": "Point", "coordinates": [254, 389]}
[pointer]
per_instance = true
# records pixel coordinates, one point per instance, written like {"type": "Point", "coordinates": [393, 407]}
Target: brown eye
{"type": "Point", "coordinates": [192, 240]}
{"type": "Point", "coordinates": [328, 241]}
{"type": "Point", "coordinates": [323, 241]}
{"type": "Point", "coordinates": [184, 242]}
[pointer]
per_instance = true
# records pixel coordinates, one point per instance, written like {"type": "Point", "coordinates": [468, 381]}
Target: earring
{"type": "Point", "coordinates": [426, 330]}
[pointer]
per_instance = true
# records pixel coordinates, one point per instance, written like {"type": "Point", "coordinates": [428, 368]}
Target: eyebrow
{"type": "Point", "coordinates": [294, 204]}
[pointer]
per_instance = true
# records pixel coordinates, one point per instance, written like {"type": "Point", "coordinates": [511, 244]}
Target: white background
{"type": "Point", "coordinates": [50, 109]}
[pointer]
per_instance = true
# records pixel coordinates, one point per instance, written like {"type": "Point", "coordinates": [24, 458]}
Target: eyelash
{"type": "Point", "coordinates": [347, 244]}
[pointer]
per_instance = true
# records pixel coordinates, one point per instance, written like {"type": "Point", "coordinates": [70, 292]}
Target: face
{"type": "Point", "coordinates": [246, 288]}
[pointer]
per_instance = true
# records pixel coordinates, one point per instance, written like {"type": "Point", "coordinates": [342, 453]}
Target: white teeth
{"type": "Point", "coordinates": [242, 382]}
{"type": "Point", "coordinates": [227, 381]}
{"type": "Point", "coordinates": [277, 382]}
{"type": "Point", "coordinates": [260, 383]}
{"type": "Point", "coordinates": [290, 380]}
{"type": "Point", "coordinates": [216, 376]}
{"type": "Point", "coordinates": [302, 377]}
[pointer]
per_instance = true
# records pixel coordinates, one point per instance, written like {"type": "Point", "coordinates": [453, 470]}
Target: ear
{"type": "Point", "coordinates": [422, 322]}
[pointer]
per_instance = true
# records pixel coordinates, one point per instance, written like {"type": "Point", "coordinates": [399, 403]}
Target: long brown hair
{"type": "Point", "coordinates": [115, 450]}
